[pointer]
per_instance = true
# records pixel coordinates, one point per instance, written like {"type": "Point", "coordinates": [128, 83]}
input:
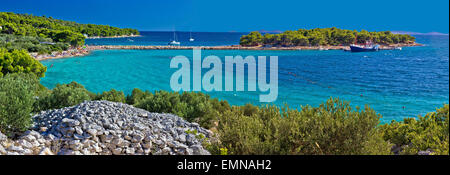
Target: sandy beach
{"type": "Point", "coordinates": [121, 36]}
{"type": "Point", "coordinates": [61, 54]}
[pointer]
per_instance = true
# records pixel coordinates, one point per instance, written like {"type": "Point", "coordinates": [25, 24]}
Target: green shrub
{"type": "Point", "coordinates": [194, 107]}
{"type": "Point", "coordinates": [112, 95]}
{"type": "Point", "coordinates": [137, 96]}
{"type": "Point", "coordinates": [16, 102]}
{"type": "Point", "coordinates": [331, 128]}
{"type": "Point", "coordinates": [428, 132]}
{"type": "Point", "coordinates": [43, 101]}
{"type": "Point", "coordinates": [63, 95]}
{"type": "Point", "coordinates": [249, 109]}
{"type": "Point", "coordinates": [18, 61]}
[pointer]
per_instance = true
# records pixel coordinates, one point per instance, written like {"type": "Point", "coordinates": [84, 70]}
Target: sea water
{"type": "Point", "coordinates": [395, 83]}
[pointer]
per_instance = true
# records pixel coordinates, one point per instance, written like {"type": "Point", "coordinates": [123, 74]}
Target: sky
{"type": "Point", "coordinates": [245, 15]}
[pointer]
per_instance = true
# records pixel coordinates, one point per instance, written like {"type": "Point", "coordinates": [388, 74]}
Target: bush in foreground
{"type": "Point", "coordinates": [112, 95]}
{"type": "Point", "coordinates": [16, 102]}
{"type": "Point", "coordinates": [332, 128]}
{"type": "Point", "coordinates": [194, 107]}
{"type": "Point", "coordinates": [428, 132]}
{"type": "Point", "coordinates": [63, 95]}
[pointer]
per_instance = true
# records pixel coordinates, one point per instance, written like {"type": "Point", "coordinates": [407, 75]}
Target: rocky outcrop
{"type": "Point", "coordinates": [31, 142]}
{"type": "Point", "coordinates": [398, 150]}
{"type": "Point", "coordinates": [102, 127]}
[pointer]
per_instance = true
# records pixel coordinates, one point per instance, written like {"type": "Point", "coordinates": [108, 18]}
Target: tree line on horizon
{"type": "Point", "coordinates": [323, 37]}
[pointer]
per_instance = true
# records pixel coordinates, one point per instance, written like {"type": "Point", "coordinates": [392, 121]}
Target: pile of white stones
{"type": "Point", "coordinates": [103, 127]}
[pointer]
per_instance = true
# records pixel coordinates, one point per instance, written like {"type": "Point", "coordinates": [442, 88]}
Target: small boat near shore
{"type": "Point", "coordinates": [367, 47]}
{"type": "Point", "coordinates": [364, 48]}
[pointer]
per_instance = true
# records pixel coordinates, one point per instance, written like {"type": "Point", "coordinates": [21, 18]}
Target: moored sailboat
{"type": "Point", "coordinates": [174, 42]}
{"type": "Point", "coordinates": [190, 37]}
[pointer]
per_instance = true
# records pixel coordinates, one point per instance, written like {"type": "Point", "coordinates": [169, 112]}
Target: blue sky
{"type": "Point", "coordinates": [243, 16]}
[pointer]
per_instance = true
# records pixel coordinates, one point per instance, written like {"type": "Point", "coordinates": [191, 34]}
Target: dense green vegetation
{"type": "Point", "coordinates": [331, 128]}
{"type": "Point", "coordinates": [40, 29]}
{"type": "Point", "coordinates": [47, 27]}
{"type": "Point", "coordinates": [17, 61]}
{"type": "Point", "coordinates": [31, 44]}
{"type": "Point", "coordinates": [112, 95]}
{"type": "Point", "coordinates": [428, 132]}
{"type": "Point", "coordinates": [194, 107]}
{"type": "Point", "coordinates": [63, 95]}
{"type": "Point", "coordinates": [323, 36]}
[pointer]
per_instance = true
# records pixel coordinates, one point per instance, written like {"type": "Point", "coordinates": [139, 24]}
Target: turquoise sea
{"type": "Point", "coordinates": [396, 83]}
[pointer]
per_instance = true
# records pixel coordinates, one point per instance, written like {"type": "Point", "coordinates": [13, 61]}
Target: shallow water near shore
{"type": "Point", "coordinates": [395, 83]}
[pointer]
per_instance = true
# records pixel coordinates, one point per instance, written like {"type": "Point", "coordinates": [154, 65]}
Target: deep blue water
{"type": "Point", "coordinates": [395, 83]}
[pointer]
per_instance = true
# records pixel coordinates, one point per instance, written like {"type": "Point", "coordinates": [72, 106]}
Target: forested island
{"type": "Point", "coordinates": [45, 34]}
{"type": "Point", "coordinates": [323, 37]}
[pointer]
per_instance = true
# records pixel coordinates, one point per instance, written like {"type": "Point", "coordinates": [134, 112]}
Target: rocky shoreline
{"type": "Point", "coordinates": [61, 54]}
{"type": "Point", "coordinates": [86, 49]}
{"type": "Point", "coordinates": [238, 47]}
{"type": "Point", "coordinates": [107, 128]}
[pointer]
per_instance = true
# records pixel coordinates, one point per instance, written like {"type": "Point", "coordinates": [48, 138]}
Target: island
{"type": "Point", "coordinates": [325, 38]}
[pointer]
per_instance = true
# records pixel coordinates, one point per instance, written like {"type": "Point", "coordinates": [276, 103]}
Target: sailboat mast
{"type": "Point", "coordinates": [174, 36]}
{"type": "Point", "coordinates": [190, 36]}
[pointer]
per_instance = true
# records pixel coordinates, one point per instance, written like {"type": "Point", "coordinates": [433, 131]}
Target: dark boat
{"type": "Point", "coordinates": [367, 47]}
{"type": "Point", "coordinates": [364, 48]}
